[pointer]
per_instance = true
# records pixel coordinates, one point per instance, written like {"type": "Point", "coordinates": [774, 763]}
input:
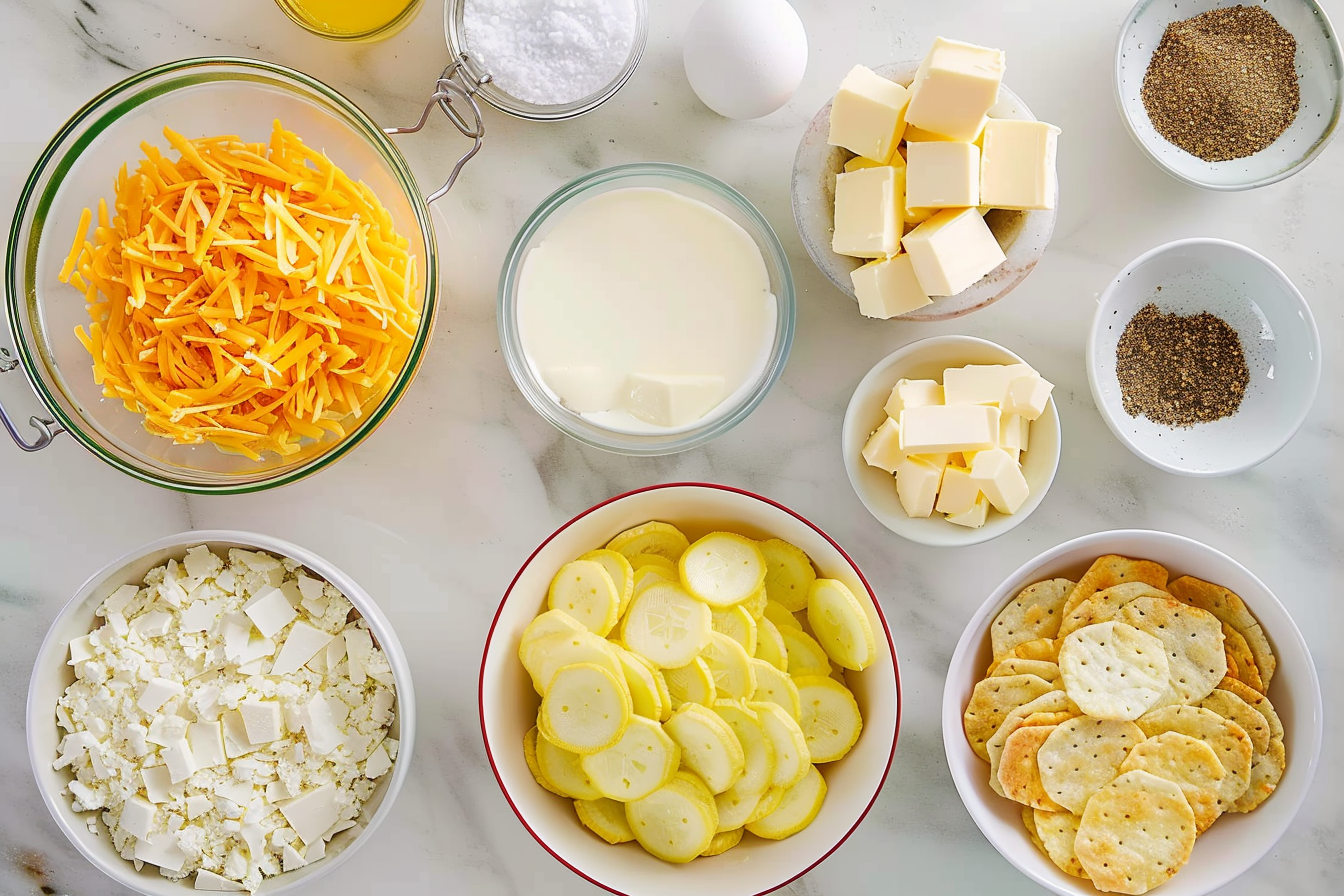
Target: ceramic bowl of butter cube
{"type": "Point", "coordinates": [1021, 235]}
{"type": "Point", "coordinates": [868, 424]}
{"type": "Point", "coordinates": [207, 794]}
{"type": "Point", "coordinates": [1233, 843]}
{"type": "Point", "coordinates": [509, 704]}
{"type": "Point", "coordinates": [1319, 64]}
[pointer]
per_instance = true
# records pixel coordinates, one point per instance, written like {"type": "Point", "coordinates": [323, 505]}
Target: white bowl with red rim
{"type": "Point", "coordinates": [1236, 841]}
{"type": "Point", "coordinates": [508, 704]}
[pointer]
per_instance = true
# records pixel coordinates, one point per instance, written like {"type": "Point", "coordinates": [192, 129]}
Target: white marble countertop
{"type": "Point", "coordinates": [439, 508]}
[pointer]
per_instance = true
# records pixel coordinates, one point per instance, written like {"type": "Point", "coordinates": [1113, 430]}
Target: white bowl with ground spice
{"type": "Point", "coordinates": [1204, 358]}
{"type": "Point", "coordinates": [1226, 95]}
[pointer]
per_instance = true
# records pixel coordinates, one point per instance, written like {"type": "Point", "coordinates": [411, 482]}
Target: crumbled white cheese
{"type": "Point", "coordinates": [227, 720]}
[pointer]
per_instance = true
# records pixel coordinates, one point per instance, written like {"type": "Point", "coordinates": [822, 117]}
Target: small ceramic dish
{"type": "Point", "coordinates": [1320, 67]}
{"type": "Point", "coordinates": [1022, 235]}
{"type": "Point", "coordinates": [1236, 841]}
{"type": "Point", "coordinates": [52, 675]}
{"type": "Point", "coordinates": [927, 359]}
{"type": "Point", "coordinates": [1278, 337]}
{"type": "Point", "coordinates": [508, 706]}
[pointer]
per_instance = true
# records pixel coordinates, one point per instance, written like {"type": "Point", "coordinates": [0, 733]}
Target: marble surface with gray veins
{"type": "Point", "coordinates": [440, 507]}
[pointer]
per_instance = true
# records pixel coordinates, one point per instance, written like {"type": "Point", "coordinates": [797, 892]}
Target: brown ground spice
{"type": "Point", "coordinates": [1179, 371]}
{"type": "Point", "coordinates": [1222, 85]}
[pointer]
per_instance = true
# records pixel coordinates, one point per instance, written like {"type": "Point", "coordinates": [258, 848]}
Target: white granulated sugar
{"type": "Point", "coordinates": [550, 52]}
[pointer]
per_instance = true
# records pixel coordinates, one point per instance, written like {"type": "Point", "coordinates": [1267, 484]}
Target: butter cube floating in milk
{"type": "Point", "coordinates": [952, 250]}
{"type": "Point", "coordinates": [1017, 164]}
{"type": "Point", "coordinates": [888, 287]}
{"type": "Point", "coordinates": [942, 175]}
{"type": "Point", "coordinates": [954, 89]}
{"type": "Point", "coordinates": [868, 114]}
{"type": "Point", "coordinates": [867, 217]}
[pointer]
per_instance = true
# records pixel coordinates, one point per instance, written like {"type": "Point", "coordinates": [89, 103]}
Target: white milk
{"type": "Point", "coordinates": [645, 311]}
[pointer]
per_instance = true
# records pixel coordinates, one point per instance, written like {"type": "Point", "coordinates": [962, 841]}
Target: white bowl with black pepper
{"type": "Point", "coordinates": [1287, 142]}
{"type": "Point", "coordinates": [1137, 380]}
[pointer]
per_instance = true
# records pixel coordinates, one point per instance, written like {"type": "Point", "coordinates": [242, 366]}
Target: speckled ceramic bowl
{"type": "Point", "coordinates": [1023, 235]}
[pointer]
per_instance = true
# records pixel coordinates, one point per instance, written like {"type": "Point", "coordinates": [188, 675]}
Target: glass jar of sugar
{"type": "Point", "coordinates": [546, 60]}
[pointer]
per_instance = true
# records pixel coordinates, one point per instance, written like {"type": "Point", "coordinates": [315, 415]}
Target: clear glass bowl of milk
{"type": "Point", "coordinates": [645, 309]}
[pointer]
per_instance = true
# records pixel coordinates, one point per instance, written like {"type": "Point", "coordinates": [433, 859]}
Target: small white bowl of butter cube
{"type": "Point", "coordinates": [926, 190]}
{"type": "Point", "coordinates": [951, 441]}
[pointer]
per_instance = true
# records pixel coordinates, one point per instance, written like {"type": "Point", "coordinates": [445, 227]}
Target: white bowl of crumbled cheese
{"type": "Point", "coordinates": [219, 710]}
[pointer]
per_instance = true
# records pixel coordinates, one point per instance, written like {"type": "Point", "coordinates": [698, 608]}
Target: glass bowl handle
{"type": "Point", "coordinates": [46, 429]}
{"type": "Point", "coordinates": [454, 84]}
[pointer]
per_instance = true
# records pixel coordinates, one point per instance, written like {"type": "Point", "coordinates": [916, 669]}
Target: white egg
{"type": "Point", "coordinates": [745, 58]}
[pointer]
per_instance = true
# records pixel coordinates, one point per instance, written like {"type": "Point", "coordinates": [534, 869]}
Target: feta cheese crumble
{"type": "Point", "coordinates": [227, 719]}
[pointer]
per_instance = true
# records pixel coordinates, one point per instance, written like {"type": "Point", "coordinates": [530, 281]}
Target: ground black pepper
{"type": "Point", "coordinates": [1179, 371]}
{"type": "Point", "coordinates": [1222, 85]}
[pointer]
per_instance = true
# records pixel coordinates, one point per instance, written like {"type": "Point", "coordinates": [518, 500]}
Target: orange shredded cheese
{"type": "Point", "coordinates": [249, 295]}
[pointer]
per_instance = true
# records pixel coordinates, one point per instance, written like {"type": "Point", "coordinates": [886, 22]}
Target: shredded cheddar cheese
{"type": "Point", "coordinates": [249, 295]}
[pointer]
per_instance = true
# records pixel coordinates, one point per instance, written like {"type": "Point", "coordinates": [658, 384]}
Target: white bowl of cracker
{"type": "Point", "coordinates": [1136, 710]}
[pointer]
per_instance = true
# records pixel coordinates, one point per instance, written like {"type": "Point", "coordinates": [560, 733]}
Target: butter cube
{"type": "Point", "coordinates": [672, 399]}
{"type": "Point", "coordinates": [858, 162]}
{"type": "Point", "coordinates": [958, 492]}
{"type": "Point", "coordinates": [1013, 431]}
{"type": "Point", "coordinates": [867, 218]}
{"type": "Point", "coordinates": [981, 383]}
{"type": "Point", "coordinates": [868, 114]}
{"type": "Point", "coordinates": [584, 388]}
{"type": "Point", "coordinates": [973, 518]}
{"type": "Point", "coordinates": [956, 86]}
{"type": "Point", "coordinates": [883, 448]}
{"type": "Point", "coordinates": [912, 394]}
{"type": "Point", "coordinates": [941, 429]}
{"type": "Point", "coordinates": [952, 250]}
{"type": "Point", "coordinates": [1027, 396]}
{"type": "Point", "coordinates": [942, 175]}
{"type": "Point", "coordinates": [1000, 478]}
{"type": "Point", "coordinates": [919, 135]}
{"type": "Point", "coordinates": [917, 486]}
{"type": "Point", "coordinates": [1017, 164]}
{"type": "Point", "coordinates": [888, 288]}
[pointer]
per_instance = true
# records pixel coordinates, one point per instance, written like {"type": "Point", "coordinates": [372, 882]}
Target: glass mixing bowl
{"type": "Point", "coordinates": [196, 97]}
{"type": "Point", "coordinates": [695, 185]}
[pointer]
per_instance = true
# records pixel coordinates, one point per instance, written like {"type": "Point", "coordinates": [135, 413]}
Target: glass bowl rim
{"type": "Point", "coordinates": [511, 105]}
{"type": "Point", "coordinates": [1141, 8]}
{"type": "Point", "coordinates": [638, 444]}
{"type": "Point", "coordinates": [32, 200]}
